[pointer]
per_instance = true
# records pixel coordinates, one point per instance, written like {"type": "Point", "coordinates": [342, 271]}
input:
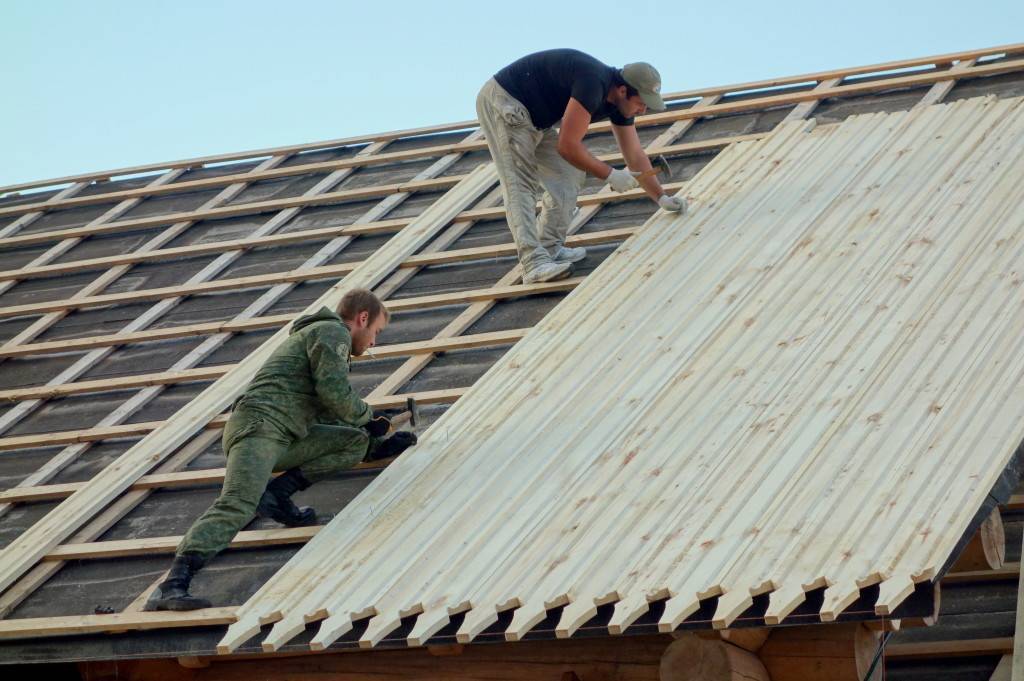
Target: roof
{"type": "Point", "coordinates": [810, 380]}
{"type": "Point", "coordinates": [121, 308]}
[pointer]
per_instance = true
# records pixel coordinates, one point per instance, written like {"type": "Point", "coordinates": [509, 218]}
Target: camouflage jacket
{"type": "Point", "coordinates": [306, 378]}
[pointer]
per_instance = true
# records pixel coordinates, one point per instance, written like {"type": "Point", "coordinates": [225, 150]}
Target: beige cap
{"type": "Point", "coordinates": [646, 80]}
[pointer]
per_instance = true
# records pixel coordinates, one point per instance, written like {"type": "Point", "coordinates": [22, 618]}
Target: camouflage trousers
{"type": "Point", "coordinates": [255, 448]}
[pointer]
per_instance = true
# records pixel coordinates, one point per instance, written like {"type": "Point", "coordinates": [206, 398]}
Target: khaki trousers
{"type": "Point", "coordinates": [528, 162]}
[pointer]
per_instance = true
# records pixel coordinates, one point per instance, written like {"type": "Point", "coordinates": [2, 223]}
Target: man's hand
{"type": "Point", "coordinates": [622, 180]}
{"type": "Point", "coordinates": [378, 425]}
{"type": "Point", "coordinates": [393, 446]}
{"type": "Point", "coordinates": [672, 204]}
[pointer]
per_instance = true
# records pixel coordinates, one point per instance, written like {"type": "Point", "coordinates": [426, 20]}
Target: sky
{"type": "Point", "coordinates": [90, 86]}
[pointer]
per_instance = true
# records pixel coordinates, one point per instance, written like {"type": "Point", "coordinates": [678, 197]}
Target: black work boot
{"type": "Point", "coordinates": [172, 593]}
{"type": "Point", "coordinates": [393, 446]}
{"type": "Point", "coordinates": [276, 502]}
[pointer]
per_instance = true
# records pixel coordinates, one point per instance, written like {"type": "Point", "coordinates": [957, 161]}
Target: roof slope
{"type": "Point", "coordinates": [814, 379]}
{"type": "Point", "coordinates": [123, 298]}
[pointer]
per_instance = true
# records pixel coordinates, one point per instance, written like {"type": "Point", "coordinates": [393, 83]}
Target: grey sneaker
{"type": "Point", "coordinates": [566, 254]}
{"type": "Point", "coordinates": [549, 271]}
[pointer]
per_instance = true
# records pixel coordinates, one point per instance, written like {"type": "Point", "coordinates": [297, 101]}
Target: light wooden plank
{"type": "Point", "coordinates": [144, 427]}
{"type": "Point", "coordinates": [157, 480]}
{"type": "Point", "coordinates": [360, 160]}
{"type": "Point", "coordinates": [805, 109]}
{"type": "Point", "coordinates": [271, 321]}
{"type": "Point", "coordinates": [34, 627]}
{"type": "Point", "coordinates": [153, 545]}
{"type": "Point", "coordinates": [468, 317]}
{"type": "Point", "coordinates": [938, 92]}
{"type": "Point", "coordinates": [489, 339]}
{"type": "Point", "coordinates": [301, 274]}
{"type": "Point", "coordinates": [832, 318]}
{"type": "Point", "coordinates": [26, 220]}
{"type": "Point", "coordinates": [304, 201]}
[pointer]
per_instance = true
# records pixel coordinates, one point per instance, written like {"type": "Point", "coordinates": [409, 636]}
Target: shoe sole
{"type": "Point", "coordinates": [561, 275]}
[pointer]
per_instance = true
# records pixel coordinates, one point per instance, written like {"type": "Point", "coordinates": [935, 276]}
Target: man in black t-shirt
{"type": "Point", "coordinates": [518, 110]}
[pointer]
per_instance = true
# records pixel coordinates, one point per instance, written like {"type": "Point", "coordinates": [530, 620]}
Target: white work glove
{"type": "Point", "coordinates": [672, 204]}
{"type": "Point", "coordinates": [622, 180]}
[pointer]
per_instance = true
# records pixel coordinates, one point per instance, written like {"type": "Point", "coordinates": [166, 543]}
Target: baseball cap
{"type": "Point", "coordinates": [646, 80]}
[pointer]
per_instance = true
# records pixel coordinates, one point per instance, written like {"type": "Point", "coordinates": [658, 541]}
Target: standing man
{"type": "Point", "coordinates": [298, 415]}
{"type": "Point", "coordinates": [518, 109]}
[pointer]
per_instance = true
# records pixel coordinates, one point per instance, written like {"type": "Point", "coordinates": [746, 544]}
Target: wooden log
{"type": "Point", "coordinates": [924, 621]}
{"type": "Point", "coordinates": [694, 658]}
{"type": "Point", "coordinates": [987, 549]}
{"type": "Point", "coordinates": [966, 648]}
{"type": "Point", "coordinates": [827, 652]}
{"type": "Point", "coordinates": [748, 639]}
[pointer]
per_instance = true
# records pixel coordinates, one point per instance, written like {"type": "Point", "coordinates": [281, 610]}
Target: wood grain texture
{"type": "Point", "coordinates": [831, 336]}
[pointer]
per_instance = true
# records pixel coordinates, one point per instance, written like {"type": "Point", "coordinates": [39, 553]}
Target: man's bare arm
{"type": "Point", "coordinates": [575, 121]}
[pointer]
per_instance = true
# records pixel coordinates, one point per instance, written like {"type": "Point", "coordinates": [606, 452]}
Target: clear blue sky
{"type": "Point", "coordinates": [103, 84]}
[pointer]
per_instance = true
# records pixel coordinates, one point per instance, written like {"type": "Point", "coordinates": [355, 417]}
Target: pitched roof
{"type": "Point", "coordinates": [120, 308]}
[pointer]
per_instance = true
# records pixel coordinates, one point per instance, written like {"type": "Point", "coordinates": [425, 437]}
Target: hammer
{"type": "Point", "coordinates": [410, 415]}
{"type": "Point", "coordinates": [661, 165]}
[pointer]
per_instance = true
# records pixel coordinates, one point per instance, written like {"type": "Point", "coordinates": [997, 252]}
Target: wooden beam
{"type": "Point", "coordinates": [136, 429]}
{"type": "Point", "coordinates": [276, 321]}
{"type": "Point", "coordinates": [1006, 572]}
{"type": "Point", "coordinates": [357, 161]}
{"type": "Point", "coordinates": [938, 92]}
{"type": "Point", "coordinates": [465, 125]}
{"type": "Point", "coordinates": [209, 476]}
{"type": "Point", "coordinates": [207, 373]}
{"type": "Point", "coordinates": [26, 220]}
{"type": "Point", "coordinates": [277, 173]}
{"type": "Point", "coordinates": [805, 109]}
{"type": "Point", "coordinates": [341, 196]}
{"type": "Point", "coordinates": [296, 276]}
{"type": "Point", "coordinates": [348, 195]}
{"type": "Point", "coordinates": [150, 545]}
{"type": "Point", "coordinates": [199, 161]}
{"type": "Point", "coordinates": [33, 627]}
{"type": "Point", "coordinates": [936, 649]}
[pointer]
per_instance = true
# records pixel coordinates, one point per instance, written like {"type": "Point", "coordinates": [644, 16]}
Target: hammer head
{"type": "Point", "coordinates": [660, 165]}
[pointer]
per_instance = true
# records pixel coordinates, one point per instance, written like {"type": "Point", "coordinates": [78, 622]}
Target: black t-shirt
{"type": "Point", "coordinates": [544, 82]}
